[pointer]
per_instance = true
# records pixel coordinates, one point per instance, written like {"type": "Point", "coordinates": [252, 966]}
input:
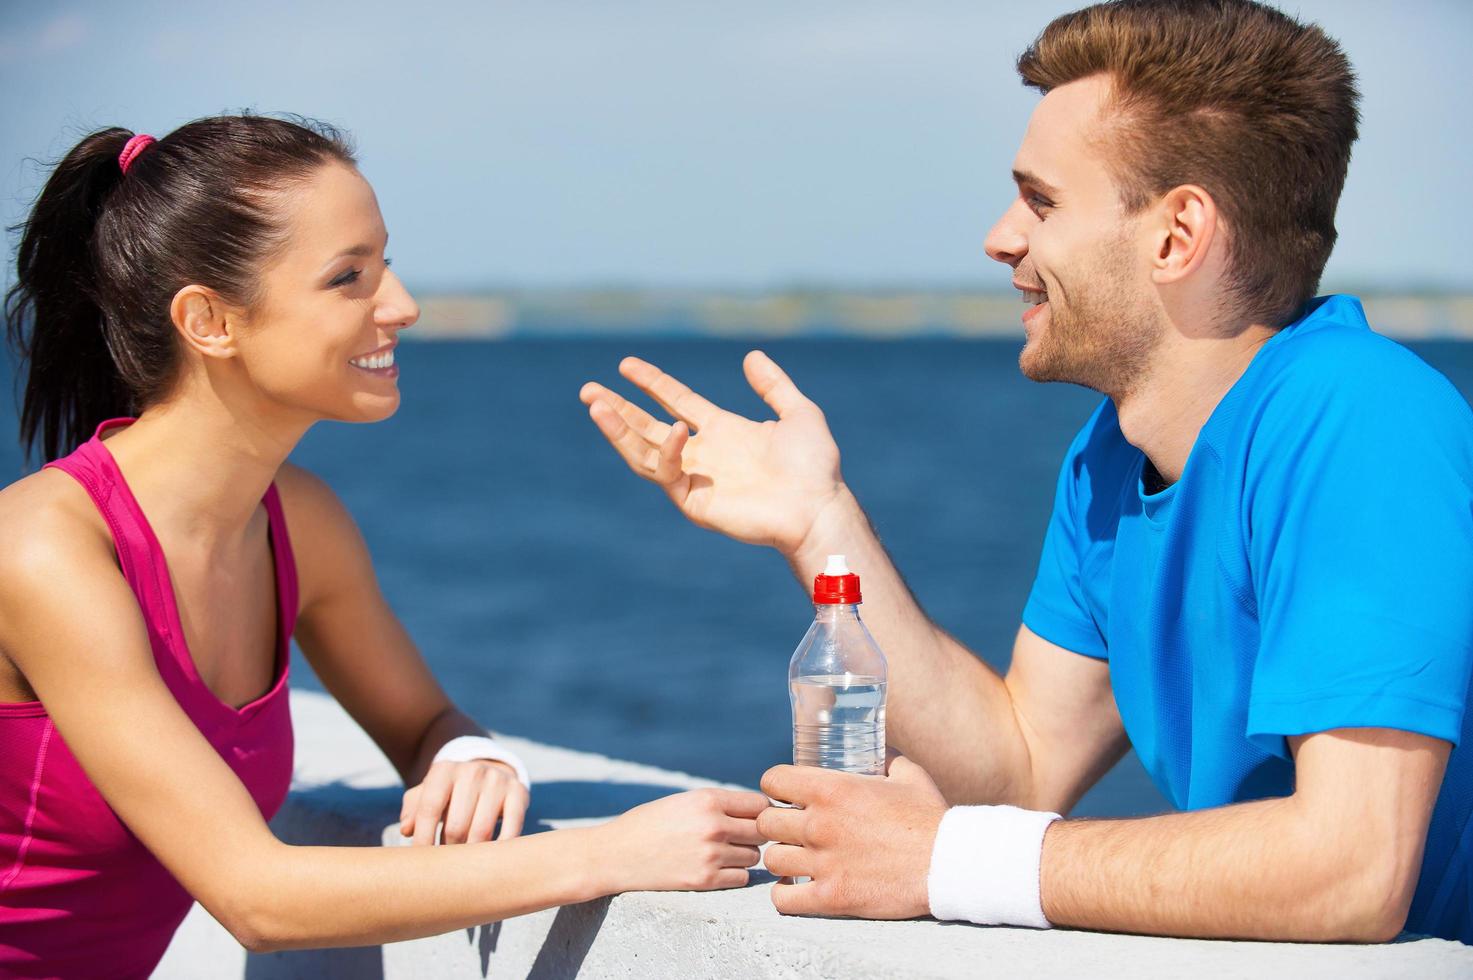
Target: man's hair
{"type": "Point", "coordinates": [1233, 96]}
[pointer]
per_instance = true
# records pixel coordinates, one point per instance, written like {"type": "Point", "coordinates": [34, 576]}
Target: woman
{"type": "Point", "coordinates": [228, 285]}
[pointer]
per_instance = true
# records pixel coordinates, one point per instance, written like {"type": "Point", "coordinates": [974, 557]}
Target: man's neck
{"type": "Point", "coordinates": [1163, 414]}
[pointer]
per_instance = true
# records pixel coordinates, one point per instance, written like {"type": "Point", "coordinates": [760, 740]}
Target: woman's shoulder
{"type": "Point", "coordinates": [51, 538]}
{"type": "Point", "coordinates": [46, 521]}
{"type": "Point", "coordinates": [329, 548]}
{"type": "Point", "coordinates": [310, 505]}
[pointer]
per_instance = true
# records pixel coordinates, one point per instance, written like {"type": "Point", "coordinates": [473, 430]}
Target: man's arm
{"type": "Point", "coordinates": [1039, 738]}
{"type": "Point", "coordinates": [1336, 861]}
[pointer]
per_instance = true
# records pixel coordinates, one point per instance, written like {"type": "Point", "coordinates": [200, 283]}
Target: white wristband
{"type": "Point", "coordinates": [985, 866]}
{"type": "Point", "coordinates": [465, 748]}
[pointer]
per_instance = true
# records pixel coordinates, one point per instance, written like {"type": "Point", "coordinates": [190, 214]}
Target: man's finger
{"type": "Point", "coordinates": [783, 824]}
{"type": "Point", "coordinates": [673, 396]}
{"type": "Point", "coordinates": [796, 784]}
{"type": "Point", "coordinates": [787, 861]}
{"type": "Point", "coordinates": [638, 453]}
{"type": "Point", "coordinates": [635, 417]}
{"type": "Point", "coordinates": [772, 383]}
{"type": "Point", "coordinates": [666, 463]}
{"type": "Point", "coordinates": [905, 771]}
{"type": "Point", "coordinates": [802, 899]}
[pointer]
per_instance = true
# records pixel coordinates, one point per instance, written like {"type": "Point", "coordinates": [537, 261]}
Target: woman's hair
{"type": "Point", "coordinates": [1248, 102]}
{"type": "Point", "coordinates": [103, 253]}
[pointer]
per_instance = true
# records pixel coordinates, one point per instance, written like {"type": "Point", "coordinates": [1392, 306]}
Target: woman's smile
{"type": "Point", "coordinates": [379, 362]}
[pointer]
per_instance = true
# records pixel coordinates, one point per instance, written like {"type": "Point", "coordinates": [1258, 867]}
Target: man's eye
{"type": "Point", "coordinates": [1039, 204]}
{"type": "Point", "coordinates": [347, 278]}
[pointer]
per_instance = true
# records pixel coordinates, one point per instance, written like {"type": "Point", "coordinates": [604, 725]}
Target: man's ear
{"type": "Point", "coordinates": [201, 318]}
{"type": "Point", "coordinates": [1183, 227]}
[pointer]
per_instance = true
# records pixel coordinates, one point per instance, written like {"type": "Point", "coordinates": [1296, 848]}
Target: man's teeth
{"type": "Point", "coordinates": [374, 361]}
{"type": "Point", "coordinates": [1033, 297]}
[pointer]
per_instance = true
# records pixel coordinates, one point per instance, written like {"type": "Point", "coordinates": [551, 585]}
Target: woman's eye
{"type": "Point", "coordinates": [347, 278]}
{"type": "Point", "coordinates": [388, 261]}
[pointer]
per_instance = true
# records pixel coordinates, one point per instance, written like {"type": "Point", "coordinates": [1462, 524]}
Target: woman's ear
{"type": "Point", "coordinates": [200, 317]}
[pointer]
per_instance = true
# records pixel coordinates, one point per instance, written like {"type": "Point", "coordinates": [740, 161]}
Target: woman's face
{"type": "Point", "coordinates": [320, 339]}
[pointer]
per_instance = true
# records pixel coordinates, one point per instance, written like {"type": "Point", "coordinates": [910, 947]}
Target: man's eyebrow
{"type": "Point", "coordinates": [1023, 177]}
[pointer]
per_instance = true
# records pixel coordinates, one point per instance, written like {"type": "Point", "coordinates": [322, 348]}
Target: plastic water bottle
{"type": "Point", "coordinates": [837, 681]}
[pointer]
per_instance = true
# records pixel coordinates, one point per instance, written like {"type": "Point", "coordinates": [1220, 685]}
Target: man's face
{"type": "Point", "coordinates": [1075, 253]}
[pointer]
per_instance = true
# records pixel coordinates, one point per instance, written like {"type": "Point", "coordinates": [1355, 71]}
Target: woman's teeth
{"type": "Point", "coordinates": [374, 362]}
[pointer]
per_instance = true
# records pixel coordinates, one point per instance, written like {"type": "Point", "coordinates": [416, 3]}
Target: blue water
{"type": "Point", "coordinates": [560, 598]}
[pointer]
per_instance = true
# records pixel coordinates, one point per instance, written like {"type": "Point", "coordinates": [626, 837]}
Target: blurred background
{"type": "Point", "coordinates": [568, 182]}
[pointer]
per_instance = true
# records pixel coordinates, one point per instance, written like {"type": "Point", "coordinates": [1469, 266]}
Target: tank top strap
{"type": "Point", "coordinates": [286, 564]}
{"type": "Point", "coordinates": [138, 552]}
{"type": "Point", "coordinates": [142, 559]}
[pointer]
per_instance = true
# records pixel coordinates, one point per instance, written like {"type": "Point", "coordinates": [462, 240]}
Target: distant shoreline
{"type": "Point", "coordinates": [883, 314]}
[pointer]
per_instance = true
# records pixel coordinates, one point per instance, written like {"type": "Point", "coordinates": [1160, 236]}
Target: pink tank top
{"type": "Point", "coordinates": [80, 896]}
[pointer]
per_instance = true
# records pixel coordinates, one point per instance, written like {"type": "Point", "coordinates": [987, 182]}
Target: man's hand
{"type": "Point", "coordinates": [759, 482]}
{"type": "Point", "coordinates": [864, 840]}
{"type": "Point", "coordinates": [469, 798]}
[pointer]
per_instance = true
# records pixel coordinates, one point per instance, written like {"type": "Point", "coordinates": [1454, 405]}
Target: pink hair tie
{"type": "Point", "coordinates": [132, 148]}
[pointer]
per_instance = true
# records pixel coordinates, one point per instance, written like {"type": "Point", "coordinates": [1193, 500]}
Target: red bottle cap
{"type": "Point", "coordinates": [836, 585]}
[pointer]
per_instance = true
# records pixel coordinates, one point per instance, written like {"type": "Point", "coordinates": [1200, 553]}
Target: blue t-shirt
{"type": "Point", "coordinates": [1312, 569]}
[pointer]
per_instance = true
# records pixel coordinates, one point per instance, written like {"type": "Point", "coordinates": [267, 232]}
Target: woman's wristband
{"type": "Point", "coordinates": [466, 748]}
{"type": "Point", "coordinates": [985, 866]}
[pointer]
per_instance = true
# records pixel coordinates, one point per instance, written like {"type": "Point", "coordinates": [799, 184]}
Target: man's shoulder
{"type": "Point", "coordinates": [1334, 355]}
{"type": "Point", "coordinates": [1350, 412]}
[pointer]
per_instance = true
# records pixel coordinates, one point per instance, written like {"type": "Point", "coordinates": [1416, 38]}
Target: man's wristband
{"type": "Point", "coordinates": [466, 748]}
{"type": "Point", "coordinates": [985, 866]}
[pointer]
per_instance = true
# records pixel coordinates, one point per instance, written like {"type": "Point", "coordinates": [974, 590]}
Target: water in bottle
{"type": "Point", "coordinates": [836, 681]}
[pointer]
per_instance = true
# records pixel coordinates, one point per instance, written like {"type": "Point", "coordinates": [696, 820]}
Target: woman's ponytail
{"type": "Point", "coordinates": [52, 313]}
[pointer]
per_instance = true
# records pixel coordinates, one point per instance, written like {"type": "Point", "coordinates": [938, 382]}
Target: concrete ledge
{"type": "Point", "coordinates": [344, 792]}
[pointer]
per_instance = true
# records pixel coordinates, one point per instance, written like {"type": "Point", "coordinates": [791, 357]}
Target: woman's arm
{"type": "Point", "coordinates": [73, 627]}
{"type": "Point", "coordinates": [366, 660]}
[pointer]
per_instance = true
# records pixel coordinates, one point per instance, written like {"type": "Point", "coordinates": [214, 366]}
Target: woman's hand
{"type": "Point", "coordinates": [468, 797]}
{"type": "Point", "coordinates": [699, 840]}
{"type": "Point", "coordinates": [759, 482]}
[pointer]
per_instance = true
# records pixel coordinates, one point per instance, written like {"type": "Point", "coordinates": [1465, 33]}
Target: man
{"type": "Point", "coordinates": [1259, 567]}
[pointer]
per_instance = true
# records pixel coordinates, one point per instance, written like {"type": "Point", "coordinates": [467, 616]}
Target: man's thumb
{"type": "Point", "coordinates": [905, 771]}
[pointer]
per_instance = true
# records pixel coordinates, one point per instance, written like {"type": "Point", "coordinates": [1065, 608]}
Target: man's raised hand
{"type": "Point", "coordinates": [759, 482]}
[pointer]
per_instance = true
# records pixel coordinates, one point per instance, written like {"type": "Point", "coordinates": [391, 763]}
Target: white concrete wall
{"type": "Point", "coordinates": [346, 793]}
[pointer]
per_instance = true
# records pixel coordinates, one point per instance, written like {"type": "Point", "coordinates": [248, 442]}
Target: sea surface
{"type": "Point", "coordinates": [560, 598]}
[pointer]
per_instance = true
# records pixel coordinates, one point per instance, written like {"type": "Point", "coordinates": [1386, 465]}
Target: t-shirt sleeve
{"type": "Point", "coordinates": [1360, 541]}
{"type": "Point", "coordinates": [1056, 609]}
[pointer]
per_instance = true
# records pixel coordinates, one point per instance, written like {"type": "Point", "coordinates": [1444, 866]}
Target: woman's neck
{"type": "Point", "coordinates": [199, 467]}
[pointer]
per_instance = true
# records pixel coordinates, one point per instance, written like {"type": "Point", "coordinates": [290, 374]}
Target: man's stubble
{"type": "Point", "coordinates": [1102, 331]}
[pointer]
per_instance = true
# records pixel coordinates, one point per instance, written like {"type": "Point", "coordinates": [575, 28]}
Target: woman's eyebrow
{"type": "Point", "coordinates": [361, 250]}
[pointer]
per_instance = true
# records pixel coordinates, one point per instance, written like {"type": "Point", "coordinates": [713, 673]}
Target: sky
{"type": "Point", "coordinates": [760, 144]}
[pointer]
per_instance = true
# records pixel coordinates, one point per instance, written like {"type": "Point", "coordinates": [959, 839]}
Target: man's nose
{"type": "Point", "coordinates": [1008, 240]}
